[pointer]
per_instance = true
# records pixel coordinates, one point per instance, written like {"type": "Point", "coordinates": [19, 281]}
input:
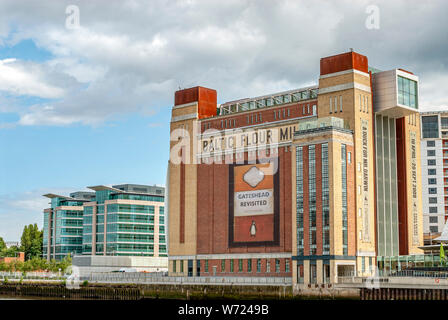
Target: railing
{"type": "Point", "coordinates": [386, 275]}
{"type": "Point", "coordinates": [31, 275]}
{"type": "Point", "coordinates": [138, 277]}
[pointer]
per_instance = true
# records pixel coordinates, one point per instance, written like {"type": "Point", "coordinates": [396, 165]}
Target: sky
{"type": "Point", "coordinates": [86, 87]}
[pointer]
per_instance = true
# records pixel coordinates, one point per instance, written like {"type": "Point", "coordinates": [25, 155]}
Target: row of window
{"type": "Point", "coordinates": [363, 103]}
{"type": "Point", "coordinates": [334, 104]}
{"type": "Point", "coordinates": [407, 92]}
{"type": "Point", "coordinates": [312, 208]}
{"type": "Point", "coordinates": [412, 119]}
{"type": "Point", "coordinates": [278, 115]}
{"type": "Point", "coordinates": [344, 199]}
{"type": "Point", "coordinates": [240, 265]}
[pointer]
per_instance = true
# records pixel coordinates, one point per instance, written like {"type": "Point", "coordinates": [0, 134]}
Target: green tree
{"type": "Point", "coordinates": [31, 241]}
{"type": "Point", "coordinates": [2, 244]}
{"type": "Point", "coordinates": [12, 251]}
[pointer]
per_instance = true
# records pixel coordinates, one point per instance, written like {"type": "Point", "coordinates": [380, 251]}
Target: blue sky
{"type": "Point", "coordinates": [89, 103]}
{"type": "Point", "coordinates": [130, 148]}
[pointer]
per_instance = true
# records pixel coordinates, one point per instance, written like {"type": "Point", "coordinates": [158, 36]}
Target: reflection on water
{"type": "Point", "coordinates": [4, 297]}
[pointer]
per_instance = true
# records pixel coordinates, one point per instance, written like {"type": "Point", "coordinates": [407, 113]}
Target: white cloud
{"type": "Point", "coordinates": [26, 79]}
{"type": "Point", "coordinates": [130, 56]}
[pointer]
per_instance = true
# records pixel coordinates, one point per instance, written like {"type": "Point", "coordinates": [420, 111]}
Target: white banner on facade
{"type": "Point", "coordinates": [414, 197]}
{"type": "Point", "coordinates": [252, 203]}
{"type": "Point", "coordinates": [365, 179]}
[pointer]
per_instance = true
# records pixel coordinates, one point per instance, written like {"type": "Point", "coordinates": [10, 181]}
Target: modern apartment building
{"type": "Point", "coordinates": [312, 183]}
{"type": "Point", "coordinates": [63, 224]}
{"type": "Point", "coordinates": [434, 162]}
{"type": "Point", "coordinates": [125, 220]}
{"type": "Point", "coordinates": [122, 220]}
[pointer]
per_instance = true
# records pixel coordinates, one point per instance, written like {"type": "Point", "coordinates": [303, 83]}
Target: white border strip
{"type": "Point", "coordinates": [340, 73]}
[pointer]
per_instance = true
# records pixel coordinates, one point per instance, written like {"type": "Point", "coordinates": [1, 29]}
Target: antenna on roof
{"type": "Point", "coordinates": [351, 49]}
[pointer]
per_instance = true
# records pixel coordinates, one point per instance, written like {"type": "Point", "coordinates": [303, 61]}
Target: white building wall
{"type": "Point", "coordinates": [425, 186]}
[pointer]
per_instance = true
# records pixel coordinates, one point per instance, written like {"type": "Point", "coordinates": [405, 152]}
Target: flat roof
{"type": "Point", "coordinates": [103, 187]}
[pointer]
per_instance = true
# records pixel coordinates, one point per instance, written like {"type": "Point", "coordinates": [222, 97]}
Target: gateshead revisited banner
{"type": "Point", "coordinates": [253, 204]}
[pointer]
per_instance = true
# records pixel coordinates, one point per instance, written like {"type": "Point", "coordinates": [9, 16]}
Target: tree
{"type": "Point", "coordinates": [2, 244]}
{"type": "Point", "coordinates": [12, 251]}
{"type": "Point", "coordinates": [31, 241]}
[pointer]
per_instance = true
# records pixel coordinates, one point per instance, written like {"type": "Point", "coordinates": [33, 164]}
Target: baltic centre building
{"type": "Point", "coordinates": [312, 183]}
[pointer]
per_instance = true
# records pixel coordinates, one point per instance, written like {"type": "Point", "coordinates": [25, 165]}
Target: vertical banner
{"type": "Point", "coordinates": [253, 204]}
{"type": "Point", "coordinates": [412, 137]}
{"type": "Point", "coordinates": [365, 179]}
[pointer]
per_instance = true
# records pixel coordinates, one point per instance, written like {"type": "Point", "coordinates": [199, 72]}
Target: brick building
{"type": "Point", "coordinates": [309, 183]}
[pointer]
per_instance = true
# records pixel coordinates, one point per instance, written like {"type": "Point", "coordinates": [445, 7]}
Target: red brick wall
{"type": "Point", "coordinates": [244, 272]}
{"type": "Point", "coordinates": [213, 209]}
{"type": "Point", "coordinates": [21, 258]}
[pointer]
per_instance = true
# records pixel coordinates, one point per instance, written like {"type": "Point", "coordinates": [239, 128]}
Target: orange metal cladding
{"type": "Point", "coordinates": [264, 223]}
{"type": "Point", "coordinates": [344, 61]}
{"type": "Point", "coordinates": [205, 97]}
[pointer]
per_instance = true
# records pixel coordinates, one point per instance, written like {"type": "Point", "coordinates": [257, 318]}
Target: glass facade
{"type": "Point", "coordinates": [325, 201]}
{"type": "Point", "coordinates": [62, 234]}
{"type": "Point", "coordinates": [344, 199]}
{"type": "Point", "coordinates": [386, 186]}
{"type": "Point", "coordinates": [124, 229]}
{"type": "Point", "coordinates": [299, 205]}
{"type": "Point", "coordinates": [430, 127]}
{"type": "Point", "coordinates": [312, 198]}
{"type": "Point", "coordinates": [407, 92]}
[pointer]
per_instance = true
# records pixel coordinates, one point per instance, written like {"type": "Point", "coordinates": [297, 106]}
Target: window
{"type": "Point", "coordinates": [432, 199]}
{"type": "Point", "coordinates": [287, 265]}
{"type": "Point", "coordinates": [174, 265]}
{"type": "Point", "coordinates": [340, 103]}
{"type": "Point", "coordinates": [430, 143]}
{"type": "Point", "coordinates": [240, 265]}
{"type": "Point", "coordinates": [431, 153]}
{"type": "Point", "coordinates": [363, 261]}
{"type": "Point", "coordinates": [249, 265]}
{"type": "Point", "coordinates": [432, 209]}
{"type": "Point", "coordinates": [349, 157]}
{"type": "Point", "coordinates": [432, 190]}
{"type": "Point", "coordinates": [432, 172]}
{"type": "Point", "coordinates": [444, 122]}
{"type": "Point", "coordinates": [432, 181]}
{"type": "Point", "coordinates": [181, 265]}
{"type": "Point", "coordinates": [430, 126]}
{"type": "Point", "coordinates": [433, 229]}
{"type": "Point", "coordinates": [258, 265]}
{"type": "Point", "coordinates": [331, 106]}
{"type": "Point", "coordinates": [223, 265]}
{"type": "Point", "coordinates": [432, 219]}
{"type": "Point", "coordinates": [407, 92]}
{"type": "Point", "coordinates": [268, 266]}
{"type": "Point", "coordinates": [231, 265]}
{"type": "Point", "coordinates": [277, 265]}
{"type": "Point", "coordinates": [431, 162]}
{"type": "Point", "coordinates": [206, 266]}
